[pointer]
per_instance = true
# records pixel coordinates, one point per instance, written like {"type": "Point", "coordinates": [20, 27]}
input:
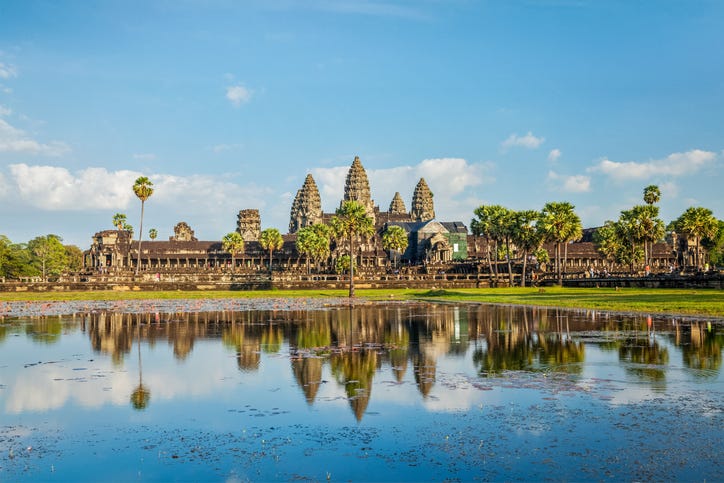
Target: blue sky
{"type": "Point", "coordinates": [227, 105]}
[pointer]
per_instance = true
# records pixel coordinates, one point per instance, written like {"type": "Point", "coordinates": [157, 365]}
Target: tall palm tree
{"type": "Point", "coordinates": [153, 233]}
{"type": "Point", "coordinates": [492, 224]}
{"type": "Point", "coordinates": [233, 243]}
{"type": "Point", "coordinates": [652, 194]}
{"type": "Point", "coordinates": [350, 223]}
{"type": "Point", "coordinates": [394, 238]}
{"type": "Point", "coordinates": [697, 222]}
{"type": "Point", "coordinates": [143, 190]}
{"type": "Point", "coordinates": [119, 220]}
{"type": "Point", "coordinates": [526, 235]}
{"type": "Point", "coordinates": [561, 225]}
{"type": "Point", "coordinates": [270, 239]}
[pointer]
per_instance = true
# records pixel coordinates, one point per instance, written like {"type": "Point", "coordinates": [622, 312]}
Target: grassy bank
{"type": "Point", "coordinates": [672, 301]}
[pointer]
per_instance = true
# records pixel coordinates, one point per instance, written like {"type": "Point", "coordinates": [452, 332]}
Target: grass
{"type": "Point", "coordinates": [703, 302]}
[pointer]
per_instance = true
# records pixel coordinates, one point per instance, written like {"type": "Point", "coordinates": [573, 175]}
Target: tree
{"type": "Point", "coordinates": [698, 223]}
{"type": "Point", "coordinates": [49, 253]}
{"type": "Point", "coordinates": [74, 256]}
{"type": "Point", "coordinates": [343, 264]}
{"type": "Point", "coordinates": [492, 224]}
{"type": "Point", "coordinates": [233, 243]}
{"type": "Point", "coordinates": [394, 238]}
{"type": "Point", "coordinates": [560, 224]}
{"type": "Point", "coordinates": [270, 239]}
{"type": "Point", "coordinates": [143, 190]}
{"type": "Point", "coordinates": [652, 194]}
{"type": "Point", "coordinates": [526, 235]}
{"type": "Point", "coordinates": [119, 220]}
{"type": "Point", "coordinates": [715, 245]}
{"type": "Point", "coordinates": [152, 233]}
{"type": "Point", "coordinates": [16, 260]}
{"type": "Point", "coordinates": [350, 223]}
{"type": "Point", "coordinates": [128, 228]}
{"type": "Point", "coordinates": [313, 242]}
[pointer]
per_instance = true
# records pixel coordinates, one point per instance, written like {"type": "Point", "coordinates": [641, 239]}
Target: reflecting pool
{"type": "Point", "coordinates": [376, 392]}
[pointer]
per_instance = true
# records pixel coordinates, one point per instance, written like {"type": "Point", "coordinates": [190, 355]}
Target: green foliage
{"type": "Point", "coordinates": [313, 242]}
{"type": "Point", "coordinates": [351, 223]}
{"type": "Point", "coordinates": [49, 255]}
{"type": "Point", "coordinates": [652, 194]}
{"type": "Point", "coordinates": [270, 239]}
{"type": "Point", "coordinates": [697, 223]}
{"type": "Point", "coordinates": [153, 233]}
{"type": "Point", "coordinates": [560, 224]}
{"type": "Point", "coordinates": [715, 245]}
{"type": "Point", "coordinates": [342, 265]}
{"type": "Point", "coordinates": [233, 243]}
{"type": "Point", "coordinates": [395, 238]}
{"type": "Point", "coordinates": [74, 255]}
{"type": "Point", "coordinates": [119, 220]}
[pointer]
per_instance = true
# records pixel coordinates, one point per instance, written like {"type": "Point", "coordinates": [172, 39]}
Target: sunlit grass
{"type": "Point", "coordinates": [707, 302]}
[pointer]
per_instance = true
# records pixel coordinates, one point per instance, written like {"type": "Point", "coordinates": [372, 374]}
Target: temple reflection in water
{"type": "Point", "coordinates": [366, 342]}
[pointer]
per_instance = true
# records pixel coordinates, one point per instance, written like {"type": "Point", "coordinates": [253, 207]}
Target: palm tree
{"type": "Point", "coordinates": [119, 220]}
{"type": "Point", "coordinates": [349, 223]}
{"type": "Point", "coordinates": [270, 239]}
{"type": "Point", "coordinates": [492, 224]}
{"type": "Point", "coordinates": [141, 395]}
{"type": "Point", "coordinates": [561, 225]}
{"type": "Point", "coordinates": [526, 235]}
{"type": "Point", "coordinates": [394, 238]}
{"type": "Point", "coordinates": [233, 243]}
{"type": "Point", "coordinates": [697, 222]}
{"type": "Point", "coordinates": [153, 233]}
{"type": "Point", "coordinates": [652, 194]}
{"type": "Point", "coordinates": [143, 190]}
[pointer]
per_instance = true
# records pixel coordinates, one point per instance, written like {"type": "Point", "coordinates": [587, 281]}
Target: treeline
{"type": "Point", "coordinates": [43, 256]}
{"type": "Point", "coordinates": [627, 241]}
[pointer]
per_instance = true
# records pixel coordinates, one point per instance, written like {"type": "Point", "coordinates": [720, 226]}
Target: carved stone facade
{"type": "Point", "coordinates": [423, 208]}
{"type": "Point", "coordinates": [248, 224]}
{"type": "Point", "coordinates": [357, 187]}
{"type": "Point", "coordinates": [307, 206]}
{"type": "Point", "coordinates": [397, 206]}
{"type": "Point", "coordinates": [182, 232]}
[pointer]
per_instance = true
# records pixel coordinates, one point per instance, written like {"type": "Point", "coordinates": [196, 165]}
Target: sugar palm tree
{"type": "Point", "coordinates": [652, 194]}
{"type": "Point", "coordinates": [233, 243]}
{"type": "Point", "coordinates": [153, 233]}
{"type": "Point", "coordinates": [394, 238]}
{"type": "Point", "coordinates": [350, 223]}
{"type": "Point", "coordinates": [119, 220]}
{"type": "Point", "coordinates": [697, 222]}
{"type": "Point", "coordinates": [492, 224]}
{"type": "Point", "coordinates": [143, 190]}
{"type": "Point", "coordinates": [561, 225]}
{"type": "Point", "coordinates": [526, 235]}
{"type": "Point", "coordinates": [270, 239]}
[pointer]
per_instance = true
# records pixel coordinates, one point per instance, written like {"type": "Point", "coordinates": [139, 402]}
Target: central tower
{"type": "Point", "coordinates": [357, 187]}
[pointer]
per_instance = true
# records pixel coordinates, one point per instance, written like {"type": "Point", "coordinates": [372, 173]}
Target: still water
{"type": "Point", "coordinates": [379, 392]}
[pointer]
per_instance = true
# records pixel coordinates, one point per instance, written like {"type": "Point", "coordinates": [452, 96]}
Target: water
{"type": "Point", "coordinates": [389, 392]}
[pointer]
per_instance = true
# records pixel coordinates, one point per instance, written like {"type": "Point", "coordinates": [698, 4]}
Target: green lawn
{"type": "Point", "coordinates": [673, 301]}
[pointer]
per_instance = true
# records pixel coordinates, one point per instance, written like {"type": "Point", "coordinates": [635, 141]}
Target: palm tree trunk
{"type": "Point", "coordinates": [351, 266]}
{"type": "Point", "coordinates": [270, 260]}
{"type": "Point", "coordinates": [558, 263]}
{"type": "Point", "coordinates": [507, 256]}
{"type": "Point", "coordinates": [525, 262]}
{"type": "Point", "coordinates": [140, 236]}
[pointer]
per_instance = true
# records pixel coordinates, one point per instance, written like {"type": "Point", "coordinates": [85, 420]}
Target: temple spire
{"type": "Point", "coordinates": [307, 206]}
{"type": "Point", "coordinates": [357, 187]}
{"type": "Point", "coordinates": [423, 208]}
{"type": "Point", "coordinates": [397, 206]}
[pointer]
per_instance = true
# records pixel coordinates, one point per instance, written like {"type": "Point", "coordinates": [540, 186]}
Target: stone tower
{"type": "Point", "coordinates": [307, 206]}
{"type": "Point", "coordinates": [397, 207]}
{"type": "Point", "coordinates": [182, 232]}
{"type": "Point", "coordinates": [422, 206]}
{"type": "Point", "coordinates": [357, 187]}
{"type": "Point", "coordinates": [248, 224]}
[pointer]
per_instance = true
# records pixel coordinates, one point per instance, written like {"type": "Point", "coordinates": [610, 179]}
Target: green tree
{"type": "Point", "coordinates": [233, 243]}
{"type": "Point", "coordinates": [342, 265]}
{"type": "Point", "coordinates": [560, 225]}
{"type": "Point", "coordinates": [5, 244]}
{"type": "Point", "coordinates": [526, 235]}
{"type": "Point", "coordinates": [128, 228]}
{"type": "Point", "coordinates": [493, 224]}
{"type": "Point", "coordinates": [715, 245]}
{"type": "Point", "coordinates": [153, 233]}
{"type": "Point", "coordinates": [698, 223]}
{"type": "Point", "coordinates": [119, 220]}
{"type": "Point", "coordinates": [394, 238]}
{"type": "Point", "coordinates": [313, 242]}
{"type": "Point", "coordinates": [74, 255]}
{"type": "Point", "coordinates": [270, 239]}
{"type": "Point", "coordinates": [351, 223]}
{"type": "Point", "coordinates": [49, 253]}
{"type": "Point", "coordinates": [143, 188]}
{"type": "Point", "coordinates": [652, 194]}
{"type": "Point", "coordinates": [18, 260]}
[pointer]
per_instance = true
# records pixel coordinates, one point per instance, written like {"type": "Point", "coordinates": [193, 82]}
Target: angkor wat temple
{"type": "Point", "coordinates": [433, 246]}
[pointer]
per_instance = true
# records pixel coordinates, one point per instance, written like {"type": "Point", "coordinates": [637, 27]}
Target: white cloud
{"type": "Point", "coordinates": [669, 189]}
{"type": "Point", "coordinates": [676, 164]}
{"type": "Point", "coordinates": [528, 141]}
{"type": "Point", "coordinates": [54, 188]}
{"type": "Point", "coordinates": [238, 95]}
{"type": "Point", "coordinates": [554, 155]}
{"type": "Point", "coordinates": [13, 140]}
{"type": "Point", "coordinates": [5, 111]}
{"type": "Point", "coordinates": [450, 180]}
{"type": "Point", "coordinates": [570, 184]}
{"type": "Point", "coordinates": [144, 156]}
{"type": "Point", "coordinates": [7, 71]}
